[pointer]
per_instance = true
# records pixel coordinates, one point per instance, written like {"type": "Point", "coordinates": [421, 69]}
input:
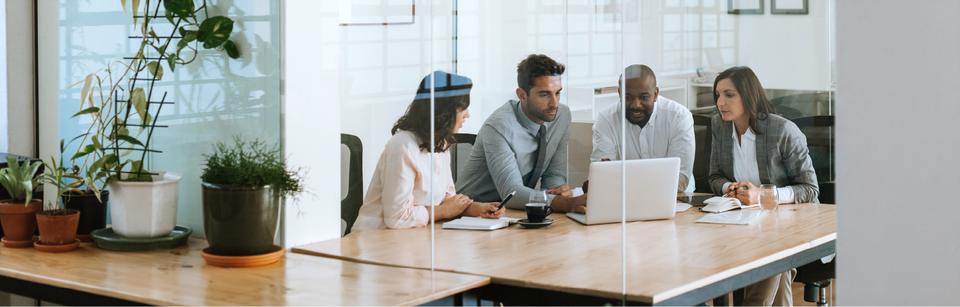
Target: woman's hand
{"type": "Point", "coordinates": [452, 206]}
{"type": "Point", "coordinates": [484, 210]}
{"type": "Point", "coordinates": [746, 192]}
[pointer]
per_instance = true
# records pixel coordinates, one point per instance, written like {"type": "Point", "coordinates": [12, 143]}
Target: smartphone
{"type": "Point", "coordinates": [505, 200]}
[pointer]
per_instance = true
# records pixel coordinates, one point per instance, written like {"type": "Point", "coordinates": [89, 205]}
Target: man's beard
{"type": "Point", "coordinates": [641, 122]}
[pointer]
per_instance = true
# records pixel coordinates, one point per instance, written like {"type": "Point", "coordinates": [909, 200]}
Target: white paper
{"type": "Point", "coordinates": [682, 207]}
{"type": "Point", "coordinates": [739, 217]}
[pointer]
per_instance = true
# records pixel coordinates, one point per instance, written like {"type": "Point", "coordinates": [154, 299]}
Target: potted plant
{"type": "Point", "coordinates": [116, 146]}
{"type": "Point", "coordinates": [243, 187]}
{"type": "Point", "coordinates": [17, 213]}
{"type": "Point", "coordinates": [58, 225]}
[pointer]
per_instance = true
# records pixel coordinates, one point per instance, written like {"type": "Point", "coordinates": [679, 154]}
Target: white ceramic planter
{"type": "Point", "coordinates": [144, 209]}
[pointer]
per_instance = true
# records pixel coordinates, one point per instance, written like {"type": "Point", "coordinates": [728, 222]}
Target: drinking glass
{"type": "Point", "coordinates": [768, 197]}
{"type": "Point", "coordinates": [538, 197]}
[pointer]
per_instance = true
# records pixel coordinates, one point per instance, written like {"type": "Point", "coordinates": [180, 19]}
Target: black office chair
{"type": "Point", "coordinates": [802, 104]}
{"type": "Point", "coordinates": [703, 134]}
{"type": "Point", "coordinates": [820, 142]}
{"type": "Point", "coordinates": [351, 202]}
{"type": "Point", "coordinates": [816, 276]}
{"type": "Point", "coordinates": [460, 151]}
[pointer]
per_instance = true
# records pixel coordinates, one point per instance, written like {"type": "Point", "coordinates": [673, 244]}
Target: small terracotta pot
{"type": "Point", "coordinates": [58, 227]}
{"type": "Point", "coordinates": [19, 222]}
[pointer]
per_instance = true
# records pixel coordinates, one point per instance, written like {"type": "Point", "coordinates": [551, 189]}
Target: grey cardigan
{"type": "Point", "coordinates": [782, 157]}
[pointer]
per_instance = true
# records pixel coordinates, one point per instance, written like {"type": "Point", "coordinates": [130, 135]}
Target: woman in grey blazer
{"type": "Point", "coordinates": [751, 145]}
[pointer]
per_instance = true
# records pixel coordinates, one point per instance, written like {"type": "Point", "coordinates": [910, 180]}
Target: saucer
{"type": "Point", "coordinates": [56, 248]}
{"type": "Point", "coordinates": [242, 261]}
{"type": "Point", "coordinates": [527, 224]}
{"type": "Point", "coordinates": [106, 238]}
{"type": "Point", "coordinates": [16, 244]}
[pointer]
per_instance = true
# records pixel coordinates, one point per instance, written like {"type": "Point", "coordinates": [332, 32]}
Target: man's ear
{"type": "Point", "coordinates": [656, 93]}
{"type": "Point", "coordinates": [521, 94]}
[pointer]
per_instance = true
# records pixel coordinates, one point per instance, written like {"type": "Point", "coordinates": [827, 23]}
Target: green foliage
{"type": "Point", "coordinates": [19, 179]}
{"type": "Point", "coordinates": [110, 149]}
{"type": "Point", "coordinates": [251, 164]}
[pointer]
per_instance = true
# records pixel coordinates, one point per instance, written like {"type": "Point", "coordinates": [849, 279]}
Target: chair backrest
{"type": "Point", "coordinates": [701, 162]}
{"type": "Point", "coordinates": [460, 152]}
{"type": "Point", "coordinates": [351, 179]}
{"type": "Point", "coordinates": [820, 142]}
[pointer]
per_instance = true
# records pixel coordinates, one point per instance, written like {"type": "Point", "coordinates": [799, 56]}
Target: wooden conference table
{"type": "Point", "coordinates": [670, 262]}
{"type": "Point", "coordinates": [180, 277]}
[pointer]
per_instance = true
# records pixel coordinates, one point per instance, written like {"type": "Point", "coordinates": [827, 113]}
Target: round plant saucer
{"type": "Point", "coordinates": [108, 239]}
{"type": "Point", "coordinates": [16, 244]}
{"type": "Point", "coordinates": [58, 248]}
{"type": "Point", "coordinates": [243, 261]}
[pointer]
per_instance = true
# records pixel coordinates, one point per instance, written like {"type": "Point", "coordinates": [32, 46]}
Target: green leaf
{"type": "Point", "coordinates": [130, 139]}
{"type": "Point", "coordinates": [169, 16]}
{"type": "Point", "coordinates": [139, 101]}
{"type": "Point", "coordinates": [215, 31]}
{"type": "Point", "coordinates": [172, 61]}
{"type": "Point", "coordinates": [138, 173]}
{"type": "Point", "coordinates": [155, 69]}
{"type": "Point", "coordinates": [231, 49]}
{"type": "Point", "coordinates": [136, 7]}
{"type": "Point", "coordinates": [85, 91]}
{"type": "Point", "coordinates": [87, 111]}
{"type": "Point", "coordinates": [182, 8]}
{"type": "Point", "coordinates": [96, 143]}
{"type": "Point", "coordinates": [86, 150]}
{"type": "Point", "coordinates": [188, 37]}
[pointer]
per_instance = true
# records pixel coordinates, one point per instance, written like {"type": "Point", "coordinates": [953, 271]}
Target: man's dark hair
{"type": "Point", "coordinates": [535, 66]}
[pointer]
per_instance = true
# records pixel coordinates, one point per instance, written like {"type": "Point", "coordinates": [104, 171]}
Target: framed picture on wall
{"type": "Point", "coordinates": [377, 12]}
{"type": "Point", "coordinates": [789, 7]}
{"type": "Point", "coordinates": [745, 7]}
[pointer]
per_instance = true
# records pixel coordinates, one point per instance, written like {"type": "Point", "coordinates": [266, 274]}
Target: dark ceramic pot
{"type": "Point", "coordinates": [240, 220]}
{"type": "Point", "coordinates": [93, 214]}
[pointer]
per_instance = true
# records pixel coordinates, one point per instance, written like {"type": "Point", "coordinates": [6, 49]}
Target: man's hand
{"type": "Point", "coordinates": [563, 190]}
{"type": "Point", "coordinates": [569, 204]}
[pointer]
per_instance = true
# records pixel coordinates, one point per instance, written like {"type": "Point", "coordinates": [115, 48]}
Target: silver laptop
{"type": "Point", "coordinates": [651, 191]}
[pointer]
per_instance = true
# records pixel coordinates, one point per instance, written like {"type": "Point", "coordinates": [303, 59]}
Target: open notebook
{"type": "Point", "coordinates": [719, 204]}
{"type": "Point", "coordinates": [476, 223]}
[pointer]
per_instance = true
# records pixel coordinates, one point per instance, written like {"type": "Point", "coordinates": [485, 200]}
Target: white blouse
{"type": "Point", "coordinates": [399, 191]}
{"type": "Point", "coordinates": [745, 167]}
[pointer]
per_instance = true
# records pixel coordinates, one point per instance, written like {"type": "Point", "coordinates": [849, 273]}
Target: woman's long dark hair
{"type": "Point", "coordinates": [754, 99]}
{"type": "Point", "coordinates": [417, 120]}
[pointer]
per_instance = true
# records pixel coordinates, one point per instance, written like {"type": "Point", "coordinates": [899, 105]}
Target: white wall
{"type": "Point", "coordinates": [311, 120]}
{"type": "Point", "coordinates": [896, 152]}
{"type": "Point", "coordinates": [787, 51]}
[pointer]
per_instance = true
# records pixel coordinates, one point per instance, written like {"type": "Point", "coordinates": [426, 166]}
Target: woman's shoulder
{"type": "Point", "coordinates": [782, 124]}
{"type": "Point", "coordinates": [403, 140]}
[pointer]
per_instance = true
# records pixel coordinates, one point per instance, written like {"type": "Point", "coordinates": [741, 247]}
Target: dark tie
{"type": "Point", "coordinates": [541, 154]}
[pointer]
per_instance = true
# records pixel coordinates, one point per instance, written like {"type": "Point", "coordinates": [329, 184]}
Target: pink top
{"type": "Point", "coordinates": [399, 192]}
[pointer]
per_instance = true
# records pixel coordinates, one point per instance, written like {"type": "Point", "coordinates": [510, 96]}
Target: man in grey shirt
{"type": "Point", "coordinates": [524, 143]}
